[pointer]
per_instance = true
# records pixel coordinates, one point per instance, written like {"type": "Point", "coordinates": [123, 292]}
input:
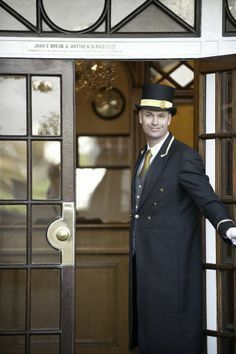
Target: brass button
{"type": "Point", "coordinates": [149, 217]}
{"type": "Point", "coordinates": [155, 203]}
{"type": "Point", "coordinates": [161, 189]}
{"type": "Point", "coordinates": [136, 216]}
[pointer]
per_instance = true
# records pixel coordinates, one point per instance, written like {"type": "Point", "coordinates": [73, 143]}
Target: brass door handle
{"type": "Point", "coordinates": [60, 234]}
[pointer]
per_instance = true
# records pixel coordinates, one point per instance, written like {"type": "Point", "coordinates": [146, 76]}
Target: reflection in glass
{"type": "Point", "coordinates": [119, 10]}
{"type": "Point", "coordinates": [232, 7]}
{"type": "Point", "coordinates": [9, 23]}
{"type": "Point", "coordinates": [12, 105]}
{"type": "Point", "coordinates": [183, 75]}
{"type": "Point", "coordinates": [228, 287]}
{"type": "Point", "coordinates": [226, 102]}
{"type": "Point", "coordinates": [73, 15]}
{"type": "Point", "coordinates": [46, 105]}
{"type": "Point", "coordinates": [26, 8]}
{"type": "Point", "coordinates": [103, 151]}
{"type": "Point", "coordinates": [185, 9]}
{"type": "Point", "coordinates": [104, 195]}
{"type": "Point", "coordinates": [12, 299]}
{"type": "Point", "coordinates": [13, 176]}
{"type": "Point", "coordinates": [45, 344]}
{"type": "Point", "coordinates": [42, 217]}
{"type": "Point", "coordinates": [227, 345]}
{"type": "Point", "coordinates": [45, 298]}
{"type": "Point", "coordinates": [12, 344]}
{"type": "Point", "coordinates": [13, 233]}
{"type": "Point", "coordinates": [46, 171]}
{"type": "Point", "coordinates": [226, 167]}
{"type": "Point", "coordinates": [152, 19]}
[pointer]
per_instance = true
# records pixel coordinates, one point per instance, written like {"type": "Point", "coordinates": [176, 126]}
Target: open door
{"type": "Point", "coordinates": [216, 110]}
{"type": "Point", "coordinates": [36, 206]}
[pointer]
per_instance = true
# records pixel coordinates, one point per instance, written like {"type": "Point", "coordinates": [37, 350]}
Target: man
{"type": "Point", "coordinates": [169, 191]}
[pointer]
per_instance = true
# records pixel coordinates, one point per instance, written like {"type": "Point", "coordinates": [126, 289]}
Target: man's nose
{"type": "Point", "coordinates": [155, 120]}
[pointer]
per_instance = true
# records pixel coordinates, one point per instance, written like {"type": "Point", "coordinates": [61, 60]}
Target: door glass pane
{"type": "Point", "coordinates": [46, 172]}
{"type": "Point", "coordinates": [12, 344]}
{"type": "Point", "coordinates": [12, 299]}
{"type": "Point", "coordinates": [100, 187]}
{"type": "Point", "coordinates": [9, 23]}
{"type": "Point", "coordinates": [13, 233]}
{"type": "Point", "coordinates": [45, 298]}
{"type": "Point", "coordinates": [228, 300]}
{"type": "Point", "coordinates": [42, 217]}
{"type": "Point", "coordinates": [12, 105]}
{"type": "Point", "coordinates": [73, 15]}
{"type": "Point", "coordinates": [46, 105]}
{"type": "Point", "coordinates": [152, 19]}
{"type": "Point", "coordinates": [13, 176]}
{"type": "Point", "coordinates": [182, 8]}
{"type": "Point", "coordinates": [226, 102]}
{"type": "Point", "coordinates": [48, 344]}
{"type": "Point", "coordinates": [26, 8]}
{"type": "Point", "coordinates": [226, 167]}
{"type": "Point", "coordinates": [103, 151]}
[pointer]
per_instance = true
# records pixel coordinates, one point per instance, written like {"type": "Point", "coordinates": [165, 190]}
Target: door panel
{"type": "Point", "coordinates": [216, 110]}
{"type": "Point", "coordinates": [36, 193]}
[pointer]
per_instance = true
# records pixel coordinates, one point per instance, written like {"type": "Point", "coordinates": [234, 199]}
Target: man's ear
{"type": "Point", "coordinates": [170, 118]}
{"type": "Point", "coordinates": [140, 116]}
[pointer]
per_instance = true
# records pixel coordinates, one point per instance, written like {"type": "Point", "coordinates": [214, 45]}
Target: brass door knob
{"type": "Point", "coordinates": [63, 234]}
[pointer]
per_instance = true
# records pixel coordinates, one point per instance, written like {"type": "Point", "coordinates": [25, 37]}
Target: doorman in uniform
{"type": "Point", "coordinates": [170, 191]}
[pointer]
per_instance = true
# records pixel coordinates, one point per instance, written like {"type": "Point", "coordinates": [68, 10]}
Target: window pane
{"type": "Point", "coordinates": [228, 300]}
{"type": "Point", "coordinates": [26, 8]}
{"type": "Point", "coordinates": [12, 299]}
{"type": "Point", "coordinates": [42, 217]}
{"type": "Point", "coordinates": [103, 151]}
{"type": "Point", "coordinates": [46, 172]}
{"type": "Point", "coordinates": [227, 345]}
{"type": "Point", "coordinates": [226, 167]}
{"type": "Point", "coordinates": [104, 195]}
{"type": "Point", "coordinates": [13, 233]}
{"type": "Point", "coordinates": [13, 176]}
{"type": "Point", "coordinates": [182, 8]}
{"type": "Point", "coordinates": [49, 344]}
{"type": "Point", "coordinates": [12, 344]}
{"type": "Point", "coordinates": [9, 23]}
{"type": "Point", "coordinates": [226, 102]}
{"type": "Point", "coordinates": [121, 9]}
{"type": "Point", "coordinates": [45, 299]}
{"type": "Point", "coordinates": [46, 105]}
{"type": "Point", "coordinates": [12, 116]}
{"type": "Point", "coordinates": [73, 15]}
{"type": "Point", "coordinates": [232, 7]}
{"type": "Point", "coordinates": [151, 20]}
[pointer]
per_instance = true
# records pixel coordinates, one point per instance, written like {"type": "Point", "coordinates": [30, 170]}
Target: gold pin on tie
{"type": "Point", "coordinates": [146, 163]}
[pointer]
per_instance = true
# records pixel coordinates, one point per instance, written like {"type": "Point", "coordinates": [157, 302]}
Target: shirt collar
{"type": "Point", "coordinates": [156, 148]}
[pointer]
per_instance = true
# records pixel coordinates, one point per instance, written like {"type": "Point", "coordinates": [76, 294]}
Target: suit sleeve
{"type": "Point", "coordinates": [196, 183]}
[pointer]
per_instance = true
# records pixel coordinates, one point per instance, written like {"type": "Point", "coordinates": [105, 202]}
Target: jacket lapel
{"type": "Point", "coordinates": [141, 154]}
{"type": "Point", "coordinates": [156, 168]}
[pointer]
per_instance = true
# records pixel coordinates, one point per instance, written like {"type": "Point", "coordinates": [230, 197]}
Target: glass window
{"type": "Point", "coordinates": [45, 298]}
{"type": "Point", "coordinates": [46, 105]}
{"type": "Point", "coordinates": [45, 344]}
{"type": "Point", "coordinates": [8, 344]}
{"type": "Point", "coordinates": [103, 151]}
{"type": "Point", "coordinates": [46, 170]}
{"type": "Point", "coordinates": [73, 15]}
{"type": "Point", "coordinates": [13, 232]}
{"type": "Point", "coordinates": [226, 102]}
{"type": "Point", "coordinates": [12, 299]}
{"type": "Point", "coordinates": [185, 9]}
{"type": "Point", "coordinates": [13, 171]}
{"type": "Point", "coordinates": [26, 8]}
{"type": "Point", "coordinates": [12, 116]}
{"type": "Point", "coordinates": [103, 195]}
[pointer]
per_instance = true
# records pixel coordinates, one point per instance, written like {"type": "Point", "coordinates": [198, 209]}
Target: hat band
{"type": "Point", "coordinates": [156, 103]}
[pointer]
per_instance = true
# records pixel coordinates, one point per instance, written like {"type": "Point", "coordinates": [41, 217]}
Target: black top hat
{"type": "Point", "coordinates": [158, 98]}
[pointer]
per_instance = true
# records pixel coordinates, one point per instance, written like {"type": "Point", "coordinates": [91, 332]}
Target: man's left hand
{"type": "Point", "coordinates": [231, 234]}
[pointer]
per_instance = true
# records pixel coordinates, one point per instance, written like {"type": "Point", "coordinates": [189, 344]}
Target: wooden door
{"type": "Point", "coordinates": [36, 207]}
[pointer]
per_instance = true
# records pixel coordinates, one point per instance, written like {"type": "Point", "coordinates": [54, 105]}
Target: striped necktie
{"type": "Point", "coordinates": [146, 163]}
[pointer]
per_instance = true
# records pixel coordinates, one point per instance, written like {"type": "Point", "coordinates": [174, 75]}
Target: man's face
{"type": "Point", "coordinates": [155, 124]}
